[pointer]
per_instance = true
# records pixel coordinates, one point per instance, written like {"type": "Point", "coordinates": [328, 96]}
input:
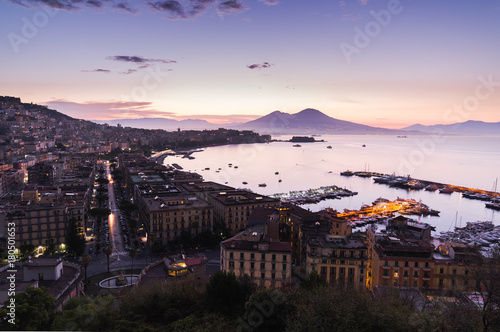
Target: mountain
{"type": "Point", "coordinates": [464, 128]}
{"type": "Point", "coordinates": [162, 123]}
{"type": "Point", "coordinates": [308, 121]}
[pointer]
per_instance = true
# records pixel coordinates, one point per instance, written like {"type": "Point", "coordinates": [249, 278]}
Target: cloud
{"type": "Point", "coordinates": [108, 110]}
{"type": "Point", "coordinates": [181, 11]}
{"type": "Point", "coordinates": [99, 70]}
{"type": "Point", "coordinates": [231, 7]}
{"type": "Point", "coordinates": [137, 59]}
{"type": "Point", "coordinates": [260, 66]}
{"type": "Point", "coordinates": [342, 4]}
{"type": "Point", "coordinates": [363, 2]}
{"type": "Point", "coordinates": [270, 2]}
{"type": "Point", "coordinates": [129, 71]}
{"type": "Point", "coordinates": [124, 6]}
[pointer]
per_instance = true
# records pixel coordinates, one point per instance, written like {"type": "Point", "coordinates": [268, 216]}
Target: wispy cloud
{"type": "Point", "coordinates": [231, 7]}
{"type": "Point", "coordinates": [75, 4]}
{"type": "Point", "coordinates": [363, 2]}
{"type": "Point", "coordinates": [260, 66]}
{"type": "Point", "coordinates": [108, 110]}
{"type": "Point", "coordinates": [270, 2]}
{"type": "Point", "coordinates": [137, 59]}
{"type": "Point", "coordinates": [98, 70]}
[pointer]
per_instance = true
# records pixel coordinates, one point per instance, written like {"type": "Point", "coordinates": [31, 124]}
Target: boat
{"type": "Point", "coordinates": [297, 145]}
{"type": "Point", "coordinates": [279, 180]}
{"type": "Point", "coordinates": [329, 147]}
{"type": "Point", "coordinates": [432, 187]}
{"type": "Point", "coordinates": [230, 165]}
{"type": "Point", "coordinates": [347, 173]}
{"type": "Point", "coordinates": [276, 173]}
{"type": "Point", "coordinates": [364, 145]}
{"type": "Point", "coordinates": [244, 182]}
{"type": "Point", "coordinates": [494, 206]}
{"type": "Point", "coordinates": [446, 190]}
{"type": "Point", "coordinates": [235, 166]}
{"type": "Point", "coordinates": [262, 185]}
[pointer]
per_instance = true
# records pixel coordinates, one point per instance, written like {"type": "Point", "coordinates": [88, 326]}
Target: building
{"type": "Point", "coordinates": [233, 208]}
{"type": "Point", "coordinates": [267, 262]}
{"type": "Point", "coordinates": [165, 213]}
{"type": "Point", "coordinates": [400, 253]}
{"type": "Point", "coordinates": [339, 259]}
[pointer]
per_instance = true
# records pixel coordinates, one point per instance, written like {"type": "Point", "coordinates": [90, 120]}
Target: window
{"type": "Point", "coordinates": [386, 272]}
{"type": "Point", "coordinates": [262, 266]}
{"type": "Point", "coordinates": [441, 270]}
{"type": "Point", "coordinates": [416, 264]}
{"type": "Point", "coordinates": [273, 267]}
{"type": "Point", "coordinates": [273, 276]}
{"type": "Point", "coordinates": [415, 274]}
{"type": "Point", "coordinates": [242, 265]}
{"type": "Point", "coordinates": [284, 258]}
{"type": "Point", "coordinates": [396, 263]}
{"type": "Point", "coordinates": [231, 264]}
{"type": "Point", "coordinates": [441, 282]}
{"type": "Point", "coordinates": [273, 257]}
{"type": "Point", "coordinates": [466, 272]}
{"type": "Point", "coordinates": [415, 284]}
{"type": "Point", "coordinates": [426, 264]}
{"type": "Point", "coordinates": [242, 255]}
{"type": "Point", "coordinates": [263, 257]}
{"type": "Point", "coordinates": [454, 271]}
{"type": "Point", "coordinates": [406, 264]}
{"type": "Point", "coordinates": [231, 255]}
{"type": "Point", "coordinates": [252, 265]}
{"type": "Point", "coordinates": [386, 263]}
{"type": "Point", "coordinates": [262, 275]}
{"type": "Point", "coordinates": [252, 256]}
{"type": "Point", "coordinates": [396, 274]}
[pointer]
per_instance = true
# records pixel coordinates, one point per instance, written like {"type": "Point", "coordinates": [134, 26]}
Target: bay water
{"type": "Point", "coordinates": [470, 161]}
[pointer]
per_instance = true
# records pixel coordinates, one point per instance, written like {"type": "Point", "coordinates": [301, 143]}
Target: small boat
{"type": "Point", "coordinates": [230, 165]}
{"type": "Point", "coordinates": [364, 145]}
{"type": "Point", "coordinates": [494, 206]}
{"type": "Point", "coordinates": [262, 185]}
{"type": "Point", "coordinates": [207, 168]}
{"type": "Point", "coordinates": [244, 182]}
{"type": "Point", "coordinates": [432, 187]}
{"type": "Point", "coordinates": [329, 147]}
{"type": "Point", "coordinates": [235, 166]}
{"type": "Point", "coordinates": [446, 190]}
{"type": "Point", "coordinates": [279, 180]}
{"type": "Point", "coordinates": [276, 173]}
{"type": "Point", "coordinates": [347, 173]}
{"type": "Point", "coordinates": [297, 145]}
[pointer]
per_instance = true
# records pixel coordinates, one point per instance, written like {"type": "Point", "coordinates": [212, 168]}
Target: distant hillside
{"type": "Point", "coordinates": [308, 121]}
{"type": "Point", "coordinates": [162, 123]}
{"type": "Point", "coordinates": [6, 100]}
{"type": "Point", "coordinates": [464, 128]}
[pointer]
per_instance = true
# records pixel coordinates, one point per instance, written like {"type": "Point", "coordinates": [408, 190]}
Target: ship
{"type": "Point", "coordinates": [262, 185]}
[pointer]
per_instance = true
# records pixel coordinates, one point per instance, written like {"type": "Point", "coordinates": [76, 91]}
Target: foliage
{"type": "Point", "coordinates": [224, 293]}
{"type": "Point", "coordinates": [206, 239]}
{"type": "Point", "coordinates": [313, 280]}
{"type": "Point", "coordinates": [33, 310]}
{"type": "Point", "coordinates": [75, 242]}
{"type": "Point", "coordinates": [86, 314]}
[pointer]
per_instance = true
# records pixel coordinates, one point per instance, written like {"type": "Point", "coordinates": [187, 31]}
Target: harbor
{"type": "Point", "coordinates": [409, 183]}
{"type": "Point", "coordinates": [479, 233]}
{"type": "Point", "coordinates": [314, 195]}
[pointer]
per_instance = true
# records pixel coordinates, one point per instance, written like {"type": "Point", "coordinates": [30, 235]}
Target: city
{"type": "Point", "coordinates": [87, 202]}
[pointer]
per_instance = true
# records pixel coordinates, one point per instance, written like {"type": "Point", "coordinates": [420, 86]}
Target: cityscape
{"type": "Point", "coordinates": [249, 165]}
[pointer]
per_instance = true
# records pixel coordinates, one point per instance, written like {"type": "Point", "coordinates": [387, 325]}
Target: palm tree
{"type": "Point", "coordinates": [108, 251]}
{"type": "Point", "coordinates": [85, 262]}
{"type": "Point", "coordinates": [132, 252]}
{"type": "Point", "coordinates": [152, 240]}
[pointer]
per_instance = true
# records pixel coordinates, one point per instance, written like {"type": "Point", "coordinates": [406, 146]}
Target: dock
{"type": "Point", "coordinates": [314, 195]}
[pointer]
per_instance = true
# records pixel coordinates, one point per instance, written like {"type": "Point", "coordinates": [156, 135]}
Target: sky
{"type": "Point", "coordinates": [384, 63]}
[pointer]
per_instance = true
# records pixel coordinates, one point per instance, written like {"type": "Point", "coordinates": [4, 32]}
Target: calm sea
{"type": "Point", "coordinates": [467, 161]}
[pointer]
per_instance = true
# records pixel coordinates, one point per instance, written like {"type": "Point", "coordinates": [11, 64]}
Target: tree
{"type": "Point", "coordinates": [75, 241]}
{"type": "Point", "coordinates": [100, 213]}
{"type": "Point", "coordinates": [313, 280]}
{"type": "Point", "coordinates": [224, 293]}
{"type": "Point", "coordinates": [84, 313]}
{"type": "Point", "coordinates": [132, 252]}
{"type": "Point", "coordinates": [127, 208]}
{"type": "Point", "coordinates": [34, 310]}
{"type": "Point", "coordinates": [85, 263]}
{"type": "Point", "coordinates": [485, 270]}
{"type": "Point", "coordinates": [108, 251]}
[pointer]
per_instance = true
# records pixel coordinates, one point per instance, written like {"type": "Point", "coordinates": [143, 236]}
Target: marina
{"type": "Point", "coordinates": [479, 233]}
{"type": "Point", "coordinates": [314, 195]}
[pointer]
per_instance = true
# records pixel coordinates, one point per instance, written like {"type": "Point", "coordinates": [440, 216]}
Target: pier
{"type": "Point", "coordinates": [314, 195]}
